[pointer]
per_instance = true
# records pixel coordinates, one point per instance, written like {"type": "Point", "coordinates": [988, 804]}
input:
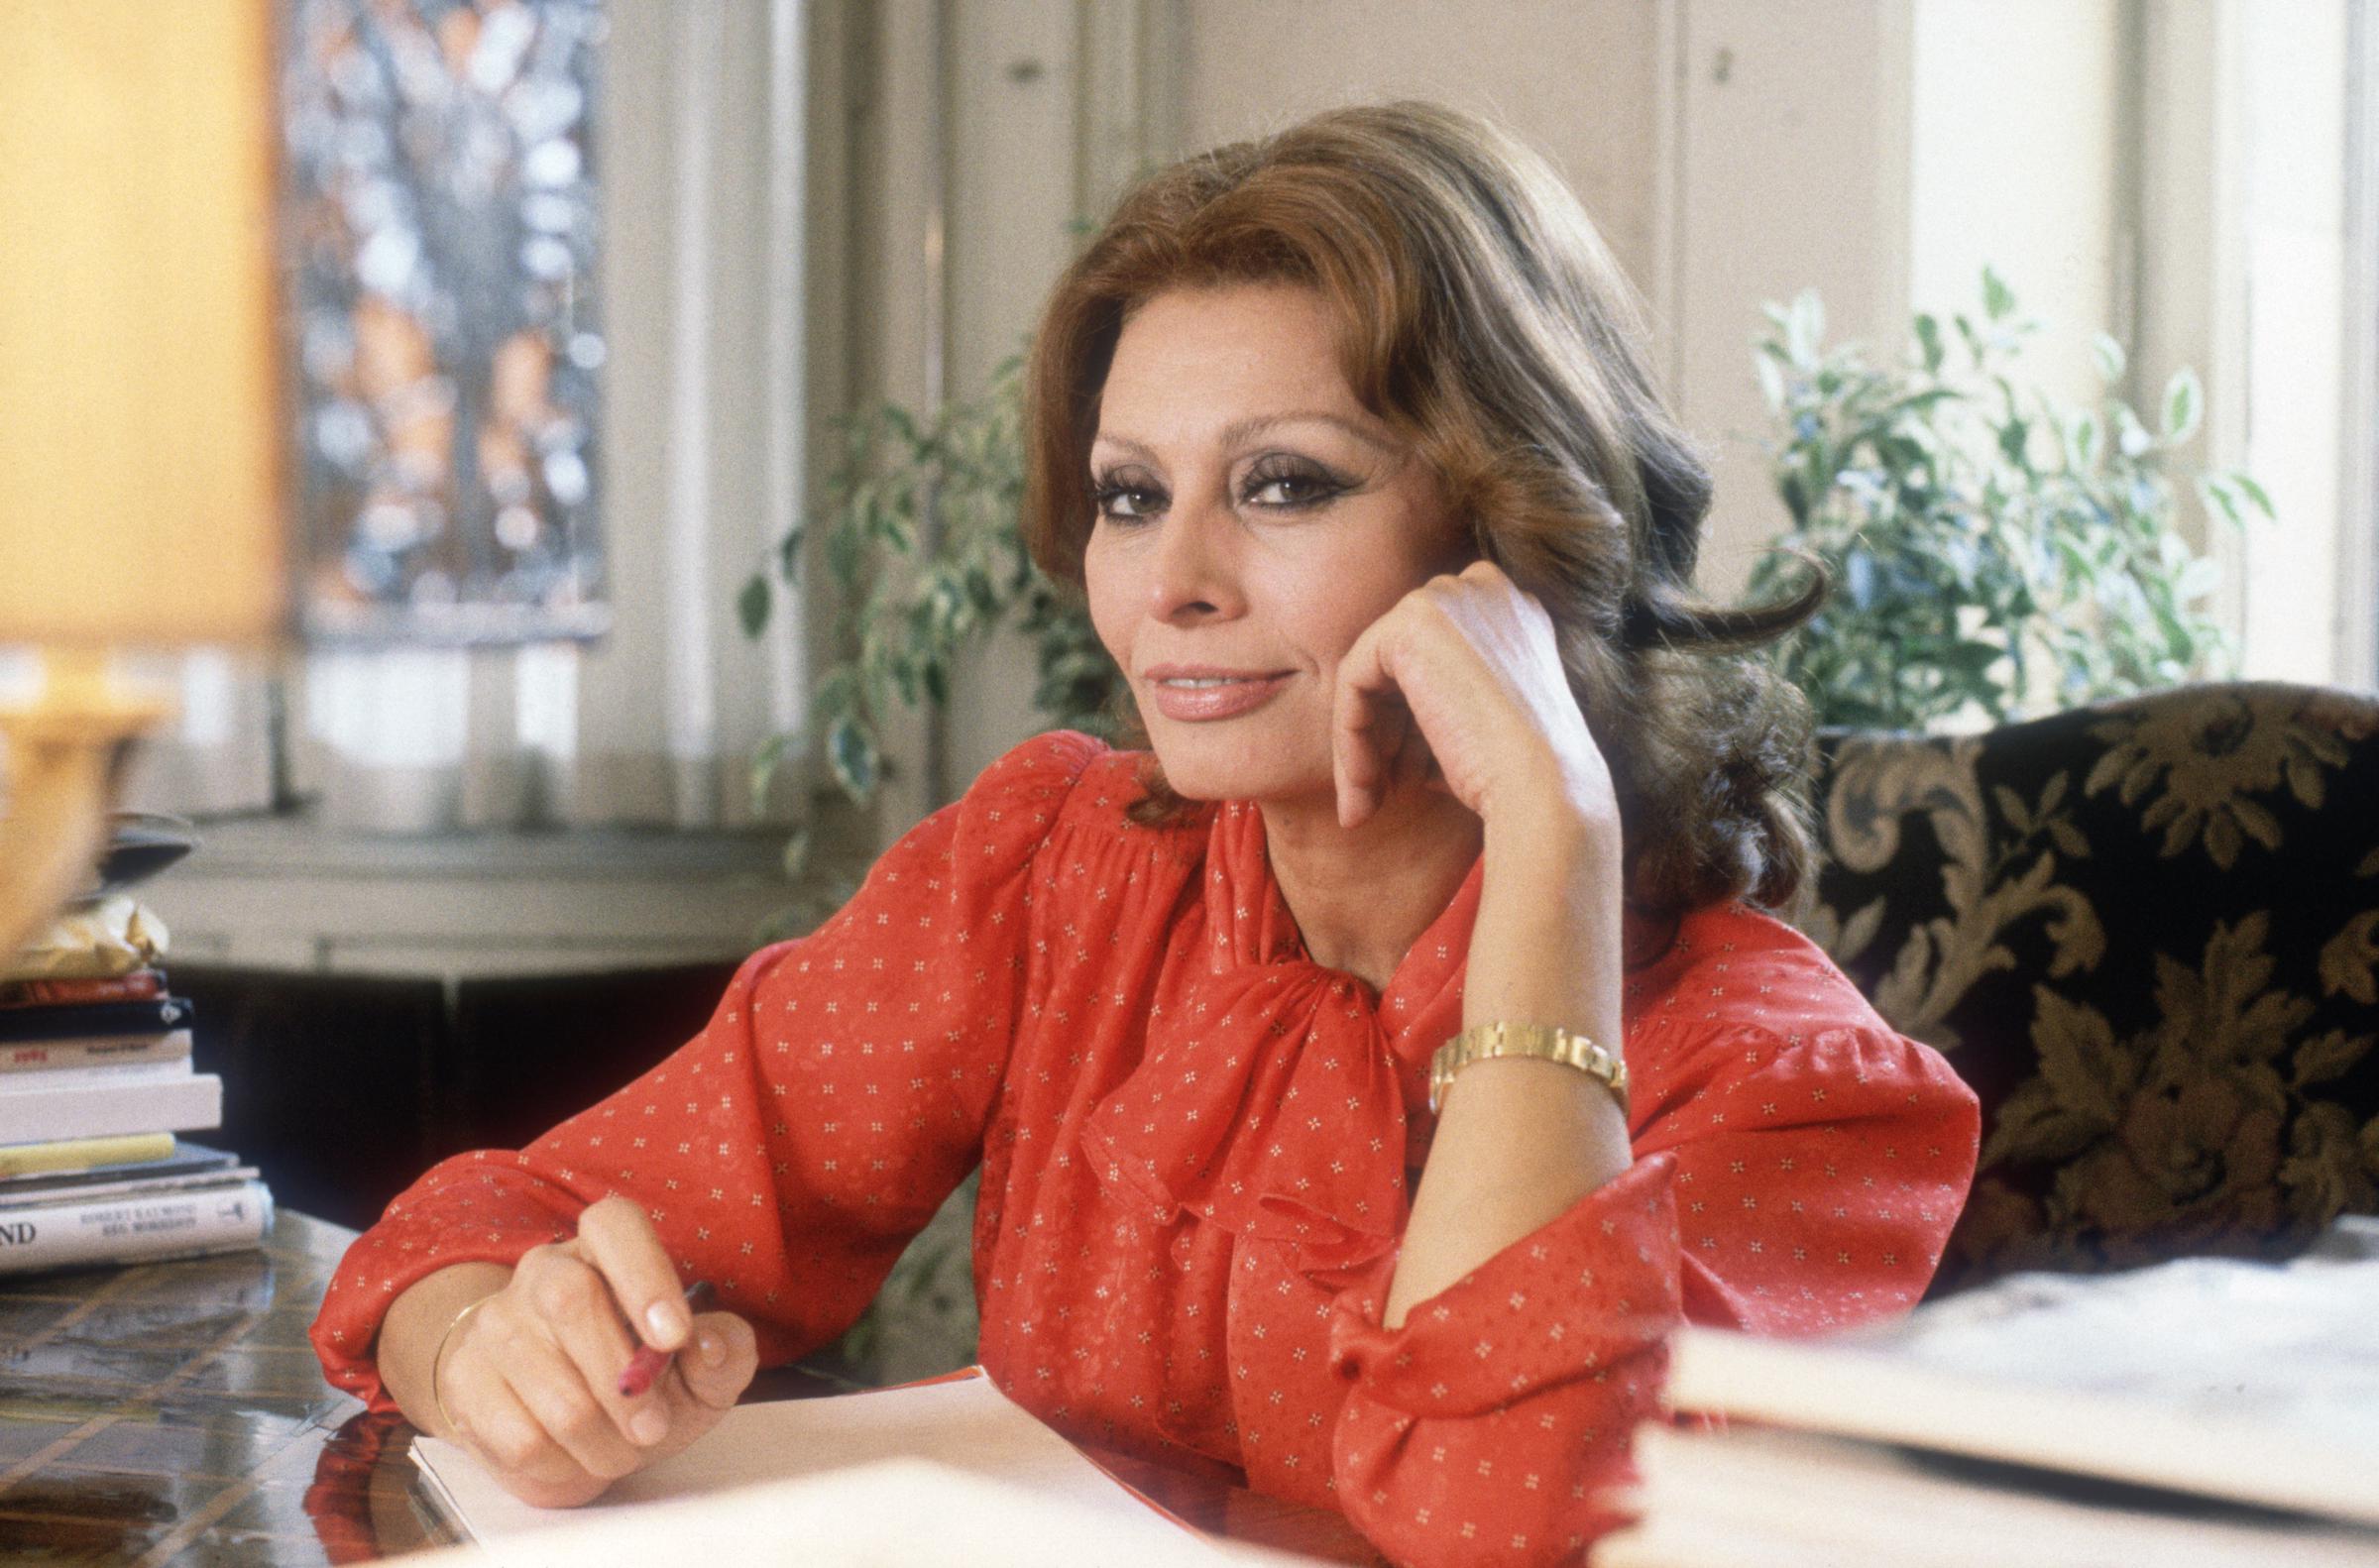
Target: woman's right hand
{"type": "Point", "coordinates": [532, 1381]}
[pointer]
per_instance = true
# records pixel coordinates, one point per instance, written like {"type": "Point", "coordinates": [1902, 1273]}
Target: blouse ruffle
{"type": "Point", "coordinates": [1274, 1103]}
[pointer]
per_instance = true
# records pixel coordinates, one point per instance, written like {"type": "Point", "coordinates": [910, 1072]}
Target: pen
{"type": "Point", "coordinates": [648, 1363]}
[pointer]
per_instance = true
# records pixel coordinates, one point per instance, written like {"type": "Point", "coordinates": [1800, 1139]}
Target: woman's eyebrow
{"type": "Point", "coordinates": [1130, 446]}
{"type": "Point", "coordinates": [1242, 431]}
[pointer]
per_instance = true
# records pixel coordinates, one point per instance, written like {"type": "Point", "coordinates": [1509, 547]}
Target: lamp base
{"type": "Point", "coordinates": [64, 754]}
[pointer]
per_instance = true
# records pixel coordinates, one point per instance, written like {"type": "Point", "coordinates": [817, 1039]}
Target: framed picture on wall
{"type": "Point", "coordinates": [442, 222]}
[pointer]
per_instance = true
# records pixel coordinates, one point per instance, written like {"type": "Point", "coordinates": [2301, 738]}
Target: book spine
{"type": "Point", "coordinates": [225, 1217]}
{"type": "Point", "coordinates": [81, 1022]}
{"type": "Point", "coordinates": [106, 1075]}
{"type": "Point", "coordinates": [80, 1154]}
{"type": "Point", "coordinates": [122, 1188]}
{"type": "Point", "coordinates": [98, 1050]}
{"type": "Point", "coordinates": [140, 985]}
{"type": "Point", "coordinates": [177, 1106]}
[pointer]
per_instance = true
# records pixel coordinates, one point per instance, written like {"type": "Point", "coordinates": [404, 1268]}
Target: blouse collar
{"type": "Point", "coordinates": [1249, 925]}
{"type": "Point", "coordinates": [1276, 1097]}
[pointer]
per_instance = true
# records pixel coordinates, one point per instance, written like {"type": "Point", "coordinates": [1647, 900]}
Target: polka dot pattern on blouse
{"type": "Point", "coordinates": [1197, 1148]}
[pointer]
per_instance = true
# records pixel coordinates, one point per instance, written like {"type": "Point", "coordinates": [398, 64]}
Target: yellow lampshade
{"type": "Point", "coordinates": [142, 428]}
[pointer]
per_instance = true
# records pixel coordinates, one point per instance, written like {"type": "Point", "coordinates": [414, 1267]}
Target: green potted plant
{"type": "Point", "coordinates": [1994, 553]}
{"type": "Point", "coordinates": [920, 539]}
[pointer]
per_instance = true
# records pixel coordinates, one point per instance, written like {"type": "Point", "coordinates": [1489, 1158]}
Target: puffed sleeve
{"type": "Point", "coordinates": [1783, 1182]}
{"type": "Point", "coordinates": [789, 1151]}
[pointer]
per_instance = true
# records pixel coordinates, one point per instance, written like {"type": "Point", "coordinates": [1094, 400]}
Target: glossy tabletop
{"type": "Point", "coordinates": [174, 1413]}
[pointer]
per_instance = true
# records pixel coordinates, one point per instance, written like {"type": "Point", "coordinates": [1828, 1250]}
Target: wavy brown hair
{"type": "Point", "coordinates": [1480, 316]}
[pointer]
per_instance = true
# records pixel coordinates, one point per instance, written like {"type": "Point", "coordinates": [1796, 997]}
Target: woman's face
{"type": "Point", "coordinates": [1253, 519]}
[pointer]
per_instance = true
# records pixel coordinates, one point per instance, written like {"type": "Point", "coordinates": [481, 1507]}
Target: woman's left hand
{"type": "Point", "coordinates": [1463, 675]}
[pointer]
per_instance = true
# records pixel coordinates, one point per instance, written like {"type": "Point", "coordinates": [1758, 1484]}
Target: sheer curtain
{"type": "Point", "coordinates": [700, 142]}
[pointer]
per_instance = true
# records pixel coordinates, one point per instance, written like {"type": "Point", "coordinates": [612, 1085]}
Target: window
{"type": "Point", "coordinates": [701, 468]}
{"type": "Point", "coordinates": [2306, 584]}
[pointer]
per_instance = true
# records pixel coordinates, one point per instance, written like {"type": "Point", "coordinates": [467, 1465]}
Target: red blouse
{"type": "Point", "coordinates": [1197, 1144]}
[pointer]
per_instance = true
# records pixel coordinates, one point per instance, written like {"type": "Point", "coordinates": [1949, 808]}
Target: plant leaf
{"type": "Point", "coordinates": [2082, 442]}
{"type": "Point", "coordinates": [1928, 339]}
{"type": "Point", "coordinates": [765, 763]}
{"type": "Point", "coordinates": [2219, 496]}
{"type": "Point", "coordinates": [1998, 300]}
{"type": "Point", "coordinates": [1972, 658]}
{"type": "Point", "coordinates": [2184, 403]}
{"type": "Point", "coordinates": [2131, 437]}
{"type": "Point", "coordinates": [2013, 436]}
{"type": "Point", "coordinates": [2112, 361]}
{"type": "Point", "coordinates": [1772, 382]}
{"type": "Point", "coordinates": [796, 851]}
{"type": "Point", "coordinates": [1858, 580]}
{"type": "Point", "coordinates": [1808, 323]}
{"type": "Point", "coordinates": [751, 605]}
{"type": "Point", "coordinates": [850, 751]}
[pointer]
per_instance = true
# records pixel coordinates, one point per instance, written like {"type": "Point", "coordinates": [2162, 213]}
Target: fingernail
{"type": "Point", "coordinates": [648, 1427]}
{"type": "Point", "coordinates": [668, 1321]}
{"type": "Point", "coordinates": [714, 1349]}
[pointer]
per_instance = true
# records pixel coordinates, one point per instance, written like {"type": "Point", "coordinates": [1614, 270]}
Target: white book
{"type": "Point", "coordinates": [43, 1055]}
{"type": "Point", "coordinates": [129, 1183]}
{"type": "Point", "coordinates": [136, 1222]}
{"type": "Point", "coordinates": [2253, 1383]}
{"type": "Point", "coordinates": [186, 1102]}
{"type": "Point", "coordinates": [1750, 1499]}
{"type": "Point", "coordinates": [98, 1075]}
{"type": "Point", "coordinates": [934, 1474]}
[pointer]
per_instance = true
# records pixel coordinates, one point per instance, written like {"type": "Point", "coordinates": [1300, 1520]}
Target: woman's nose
{"type": "Point", "coordinates": [1197, 565]}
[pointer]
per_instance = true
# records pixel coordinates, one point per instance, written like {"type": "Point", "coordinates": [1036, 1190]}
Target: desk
{"type": "Point", "coordinates": [174, 1415]}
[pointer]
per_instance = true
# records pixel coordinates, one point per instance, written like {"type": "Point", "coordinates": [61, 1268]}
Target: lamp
{"type": "Point", "coordinates": [143, 427]}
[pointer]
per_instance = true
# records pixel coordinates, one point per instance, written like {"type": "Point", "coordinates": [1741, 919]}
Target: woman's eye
{"type": "Point", "coordinates": [1124, 502]}
{"type": "Point", "coordinates": [1290, 489]}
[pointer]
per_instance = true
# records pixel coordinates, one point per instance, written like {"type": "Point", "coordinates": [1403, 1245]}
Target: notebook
{"type": "Point", "coordinates": [930, 1474]}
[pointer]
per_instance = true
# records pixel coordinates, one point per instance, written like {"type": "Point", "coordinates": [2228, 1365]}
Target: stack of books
{"type": "Point", "coordinates": [96, 1080]}
{"type": "Point", "coordinates": [2210, 1411]}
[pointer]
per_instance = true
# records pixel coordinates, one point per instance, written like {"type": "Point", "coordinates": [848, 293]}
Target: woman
{"type": "Point", "coordinates": [1348, 436]}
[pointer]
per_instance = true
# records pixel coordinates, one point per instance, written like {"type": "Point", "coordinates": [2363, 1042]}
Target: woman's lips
{"type": "Point", "coordinates": [1214, 697]}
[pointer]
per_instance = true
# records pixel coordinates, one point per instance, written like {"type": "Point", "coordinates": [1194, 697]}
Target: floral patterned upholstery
{"type": "Point", "coordinates": [2147, 932]}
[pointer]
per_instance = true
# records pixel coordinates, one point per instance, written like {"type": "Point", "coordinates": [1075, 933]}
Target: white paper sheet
{"type": "Point", "coordinates": [944, 1473]}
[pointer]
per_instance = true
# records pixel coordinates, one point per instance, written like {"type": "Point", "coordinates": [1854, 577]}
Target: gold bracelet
{"type": "Point", "coordinates": [437, 1359]}
{"type": "Point", "coordinates": [1546, 1041]}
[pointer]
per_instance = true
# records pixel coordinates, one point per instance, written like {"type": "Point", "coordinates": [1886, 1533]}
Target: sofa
{"type": "Point", "coordinates": [2147, 933]}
